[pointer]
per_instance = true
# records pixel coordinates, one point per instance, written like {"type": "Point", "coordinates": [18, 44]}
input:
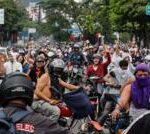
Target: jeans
{"type": "Point", "coordinates": [46, 109]}
{"type": "Point", "coordinates": [107, 110]}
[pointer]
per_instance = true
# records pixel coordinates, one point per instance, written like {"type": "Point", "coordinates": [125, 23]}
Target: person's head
{"type": "Point", "coordinates": [123, 64]}
{"type": "Point", "coordinates": [142, 70]}
{"type": "Point", "coordinates": [127, 58]}
{"type": "Point", "coordinates": [10, 57]}
{"type": "Point", "coordinates": [142, 74]}
{"type": "Point", "coordinates": [76, 47]}
{"type": "Point", "coordinates": [20, 59]}
{"type": "Point", "coordinates": [44, 55]}
{"type": "Point", "coordinates": [91, 48]}
{"type": "Point", "coordinates": [40, 61]}
{"type": "Point", "coordinates": [57, 66]}
{"type": "Point", "coordinates": [97, 58]}
{"type": "Point", "coordinates": [16, 87]}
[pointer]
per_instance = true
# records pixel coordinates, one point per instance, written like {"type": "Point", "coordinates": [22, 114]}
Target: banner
{"type": "Point", "coordinates": [1, 16]}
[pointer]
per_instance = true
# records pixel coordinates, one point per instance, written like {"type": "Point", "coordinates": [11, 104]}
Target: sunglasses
{"type": "Point", "coordinates": [40, 61]}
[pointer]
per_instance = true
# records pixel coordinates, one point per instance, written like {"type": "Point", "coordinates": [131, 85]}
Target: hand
{"type": "Point", "coordinates": [115, 114]}
{"type": "Point", "coordinates": [54, 102]}
{"type": "Point", "coordinates": [110, 84]}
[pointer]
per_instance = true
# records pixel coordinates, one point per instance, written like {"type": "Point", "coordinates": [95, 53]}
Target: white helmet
{"type": "Point", "coordinates": [51, 54]}
{"type": "Point", "coordinates": [76, 45]}
{"type": "Point", "coordinates": [58, 63]}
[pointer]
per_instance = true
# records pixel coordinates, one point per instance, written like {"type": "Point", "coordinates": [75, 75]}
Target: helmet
{"type": "Point", "coordinates": [58, 63]}
{"type": "Point", "coordinates": [21, 51]}
{"type": "Point", "coordinates": [39, 58]}
{"type": "Point", "coordinates": [76, 45]}
{"type": "Point", "coordinates": [51, 54]}
{"type": "Point", "coordinates": [16, 85]}
{"type": "Point", "coordinates": [98, 56]}
{"type": "Point", "coordinates": [57, 67]}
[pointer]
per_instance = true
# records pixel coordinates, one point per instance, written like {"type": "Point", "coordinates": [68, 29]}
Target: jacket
{"type": "Point", "coordinates": [35, 123]}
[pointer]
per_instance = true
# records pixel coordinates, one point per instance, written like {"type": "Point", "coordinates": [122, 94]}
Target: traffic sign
{"type": "Point", "coordinates": [1, 16]}
{"type": "Point", "coordinates": [148, 9]}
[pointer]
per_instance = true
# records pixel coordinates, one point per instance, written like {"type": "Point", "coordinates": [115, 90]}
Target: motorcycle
{"type": "Point", "coordinates": [69, 118]}
{"type": "Point", "coordinates": [116, 126]}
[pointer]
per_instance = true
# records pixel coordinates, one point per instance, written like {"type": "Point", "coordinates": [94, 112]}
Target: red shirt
{"type": "Point", "coordinates": [100, 71]}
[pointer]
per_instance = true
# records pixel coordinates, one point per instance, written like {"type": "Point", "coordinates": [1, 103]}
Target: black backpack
{"type": "Point", "coordinates": [7, 124]}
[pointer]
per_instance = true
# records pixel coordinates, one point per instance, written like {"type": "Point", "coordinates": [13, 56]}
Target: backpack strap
{"type": "Point", "coordinates": [19, 115]}
{"type": "Point", "coordinates": [3, 118]}
{"type": "Point", "coordinates": [2, 114]}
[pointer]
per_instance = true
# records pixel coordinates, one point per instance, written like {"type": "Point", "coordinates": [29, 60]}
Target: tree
{"type": "Point", "coordinates": [129, 16]}
{"type": "Point", "coordinates": [89, 16]}
{"type": "Point", "coordinates": [14, 17]}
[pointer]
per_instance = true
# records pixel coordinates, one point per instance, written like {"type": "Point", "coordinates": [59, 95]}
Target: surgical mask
{"type": "Point", "coordinates": [123, 71]}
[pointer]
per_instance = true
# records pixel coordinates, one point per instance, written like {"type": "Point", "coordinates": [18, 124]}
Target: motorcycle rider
{"type": "Point", "coordinates": [115, 80]}
{"type": "Point", "coordinates": [76, 57]}
{"type": "Point", "coordinates": [16, 94]}
{"type": "Point", "coordinates": [44, 101]}
{"type": "Point", "coordinates": [98, 69]}
{"type": "Point", "coordinates": [137, 94]}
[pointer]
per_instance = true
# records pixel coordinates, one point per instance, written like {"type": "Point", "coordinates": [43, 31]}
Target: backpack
{"type": "Point", "coordinates": [7, 124]}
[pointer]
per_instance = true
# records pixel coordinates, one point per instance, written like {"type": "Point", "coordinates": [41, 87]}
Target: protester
{"type": "Point", "coordinates": [12, 65]}
{"type": "Point", "coordinates": [16, 94]}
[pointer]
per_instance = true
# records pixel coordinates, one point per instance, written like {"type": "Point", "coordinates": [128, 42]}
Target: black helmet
{"type": "Point", "coordinates": [16, 85]}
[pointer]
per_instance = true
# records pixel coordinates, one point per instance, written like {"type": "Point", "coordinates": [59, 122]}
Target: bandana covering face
{"type": "Point", "coordinates": [140, 92]}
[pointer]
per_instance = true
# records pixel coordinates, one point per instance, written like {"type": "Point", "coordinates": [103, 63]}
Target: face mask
{"type": "Point", "coordinates": [143, 81]}
{"type": "Point", "coordinates": [123, 73]}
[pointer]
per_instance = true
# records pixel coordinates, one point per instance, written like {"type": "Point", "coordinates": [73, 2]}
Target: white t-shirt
{"type": "Point", "coordinates": [116, 59]}
{"type": "Point", "coordinates": [12, 67]}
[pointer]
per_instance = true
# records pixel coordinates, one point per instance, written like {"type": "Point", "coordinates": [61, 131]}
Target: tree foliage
{"type": "Point", "coordinates": [14, 16]}
{"type": "Point", "coordinates": [15, 19]}
{"type": "Point", "coordinates": [89, 16]}
{"type": "Point", "coordinates": [129, 16]}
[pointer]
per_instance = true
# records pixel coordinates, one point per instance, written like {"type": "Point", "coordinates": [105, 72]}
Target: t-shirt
{"type": "Point", "coordinates": [12, 67]}
{"type": "Point", "coordinates": [122, 76]}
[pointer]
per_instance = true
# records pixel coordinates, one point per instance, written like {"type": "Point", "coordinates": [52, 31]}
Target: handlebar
{"type": "Point", "coordinates": [95, 78]}
{"type": "Point", "coordinates": [113, 86]}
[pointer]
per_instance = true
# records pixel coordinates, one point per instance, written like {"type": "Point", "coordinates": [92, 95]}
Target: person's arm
{"type": "Point", "coordinates": [124, 100]}
{"type": "Point", "coordinates": [106, 78]}
{"type": "Point", "coordinates": [125, 96]}
{"type": "Point", "coordinates": [67, 85]}
{"type": "Point", "coordinates": [108, 60]}
{"type": "Point", "coordinates": [84, 59]}
{"type": "Point", "coordinates": [2, 69]}
{"type": "Point", "coordinates": [129, 81]}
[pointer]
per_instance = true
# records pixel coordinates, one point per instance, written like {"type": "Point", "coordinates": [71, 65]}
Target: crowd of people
{"type": "Point", "coordinates": [123, 72]}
